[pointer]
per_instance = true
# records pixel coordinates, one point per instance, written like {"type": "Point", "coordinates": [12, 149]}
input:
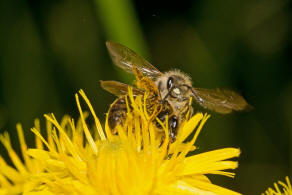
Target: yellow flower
{"type": "Point", "coordinates": [281, 188]}
{"type": "Point", "coordinates": [77, 158]}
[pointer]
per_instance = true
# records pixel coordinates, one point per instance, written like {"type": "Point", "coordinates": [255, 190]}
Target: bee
{"type": "Point", "coordinates": [171, 90]}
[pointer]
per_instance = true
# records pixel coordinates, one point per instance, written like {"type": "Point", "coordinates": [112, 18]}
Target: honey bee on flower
{"type": "Point", "coordinates": [169, 93]}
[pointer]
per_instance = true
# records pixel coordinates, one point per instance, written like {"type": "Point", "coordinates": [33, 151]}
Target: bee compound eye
{"type": "Point", "coordinates": [173, 123]}
{"type": "Point", "coordinates": [169, 83]}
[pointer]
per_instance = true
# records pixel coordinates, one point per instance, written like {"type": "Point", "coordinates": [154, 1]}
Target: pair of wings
{"type": "Point", "coordinates": [219, 100]}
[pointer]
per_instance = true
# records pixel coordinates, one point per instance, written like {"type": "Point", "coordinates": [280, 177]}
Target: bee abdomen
{"type": "Point", "coordinates": [117, 113]}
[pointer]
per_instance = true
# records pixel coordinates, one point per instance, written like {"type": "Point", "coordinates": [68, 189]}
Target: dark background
{"type": "Point", "coordinates": [51, 49]}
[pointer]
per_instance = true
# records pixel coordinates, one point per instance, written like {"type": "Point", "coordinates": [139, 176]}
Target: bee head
{"type": "Point", "coordinates": [173, 84]}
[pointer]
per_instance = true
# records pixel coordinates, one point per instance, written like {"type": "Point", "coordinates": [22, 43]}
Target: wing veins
{"type": "Point", "coordinates": [221, 100]}
{"type": "Point", "coordinates": [119, 89]}
{"type": "Point", "coordinates": [126, 59]}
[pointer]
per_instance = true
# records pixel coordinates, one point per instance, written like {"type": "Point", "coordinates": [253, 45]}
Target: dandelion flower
{"type": "Point", "coordinates": [281, 188]}
{"type": "Point", "coordinates": [77, 158]}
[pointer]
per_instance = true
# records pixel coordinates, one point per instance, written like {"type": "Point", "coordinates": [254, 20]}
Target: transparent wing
{"type": "Point", "coordinates": [221, 100]}
{"type": "Point", "coordinates": [125, 58]}
{"type": "Point", "coordinates": [119, 89]}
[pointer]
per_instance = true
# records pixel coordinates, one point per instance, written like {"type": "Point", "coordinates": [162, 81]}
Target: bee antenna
{"type": "Point", "coordinates": [199, 99]}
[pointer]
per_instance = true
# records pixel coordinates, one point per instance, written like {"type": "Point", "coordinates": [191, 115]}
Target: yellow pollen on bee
{"type": "Point", "coordinates": [176, 90]}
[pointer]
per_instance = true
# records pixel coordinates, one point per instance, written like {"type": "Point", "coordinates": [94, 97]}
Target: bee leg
{"type": "Point", "coordinates": [166, 96]}
{"type": "Point", "coordinates": [199, 99]}
{"type": "Point", "coordinates": [164, 99]}
{"type": "Point", "coordinates": [173, 124]}
{"type": "Point", "coordinates": [149, 106]}
{"type": "Point", "coordinates": [162, 102]}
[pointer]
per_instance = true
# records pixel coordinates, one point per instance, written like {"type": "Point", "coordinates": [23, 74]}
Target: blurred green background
{"type": "Point", "coordinates": [51, 49]}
